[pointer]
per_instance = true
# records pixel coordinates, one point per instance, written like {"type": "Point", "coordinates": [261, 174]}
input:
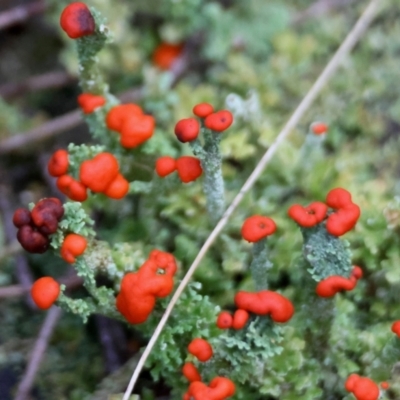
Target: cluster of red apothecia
{"type": "Point", "coordinates": [128, 120]}
{"type": "Point", "coordinates": [188, 129]}
{"type": "Point", "coordinates": [328, 287]}
{"type": "Point", "coordinates": [264, 302]}
{"type": "Point", "coordinates": [99, 174]}
{"type": "Point", "coordinates": [220, 388]}
{"type": "Point", "coordinates": [34, 230]}
{"type": "Point", "coordinates": [139, 290]}
{"type": "Point", "coordinates": [279, 308]}
{"type": "Point", "coordinates": [363, 388]}
{"type": "Point", "coordinates": [34, 227]}
{"type": "Point", "coordinates": [339, 222]}
{"type": "Point", "coordinates": [187, 167]}
{"type": "Point", "coordinates": [77, 21]}
{"type": "Point", "coordinates": [131, 123]}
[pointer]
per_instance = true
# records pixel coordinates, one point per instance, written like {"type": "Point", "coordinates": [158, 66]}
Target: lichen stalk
{"type": "Point", "coordinates": [260, 265]}
{"type": "Point", "coordinates": [326, 254]}
{"type": "Point", "coordinates": [211, 162]}
{"type": "Point", "coordinates": [91, 79]}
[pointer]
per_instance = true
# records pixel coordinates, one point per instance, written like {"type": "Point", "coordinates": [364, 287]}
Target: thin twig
{"type": "Point", "coordinates": [319, 8]}
{"type": "Point", "coordinates": [74, 118]}
{"type": "Point", "coordinates": [12, 291]}
{"type": "Point", "coordinates": [10, 250]}
{"type": "Point", "coordinates": [48, 80]}
{"type": "Point", "coordinates": [42, 341]}
{"type": "Point", "coordinates": [352, 38]}
{"type": "Point", "coordinates": [21, 13]}
{"type": "Point", "coordinates": [47, 130]}
{"type": "Point", "coordinates": [52, 128]}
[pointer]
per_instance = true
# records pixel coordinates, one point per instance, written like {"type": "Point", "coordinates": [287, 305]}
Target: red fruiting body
{"type": "Point", "coordinates": [166, 54]}
{"type": "Point", "coordinates": [190, 372]}
{"type": "Point", "coordinates": [334, 284]}
{"type": "Point", "coordinates": [362, 388]}
{"type": "Point", "coordinates": [309, 216]}
{"type": "Point", "coordinates": [384, 385]}
{"type": "Point", "coordinates": [187, 129]}
{"type": "Point", "coordinates": [151, 282]}
{"type": "Point", "coordinates": [118, 188]}
{"type": "Point", "coordinates": [138, 311]}
{"type": "Point", "coordinates": [319, 128]}
{"type": "Point", "coordinates": [357, 272]}
{"type": "Point", "coordinates": [219, 121]}
{"type": "Point", "coordinates": [266, 302]}
{"type": "Point", "coordinates": [257, 227]}
{"type": "Point", "coordinates": [165, 166]}
{"type": "Point", "coordinates": [118, 114]}
{"type": "Point", "coordinates": [189, 168]}
{"type": "Point", "coordinates": [347, 214]}
{"type": "Point", "coordinates": [201, 349]}
{"type": "Point", "coordinates": [165, 261]}
{"type": "Point", "coordinates": [45, 292]}
{"type": "Point", "coordinates": [98, 173]}
{"type": "Point", "coordinates": [32, 241]}
{"type": "Point", "coordinates": [58, 163]}
{"type": "Point", "coordinates": [21, 217]}
{"type": "Point", "coordinates": [134, 126]}
{"type": "Point", "coordinates": [136, 130]}
{"type": "Point", "coordinates": [240, 319]}
{"type": "Point", "coordinates": [35, 226]}
{"type": "Point", "coordinates": [220, 388]}
{"type": "Point", "coordinates": [351, 381]}
{"type": "Point", "coordinates": [203, 110]}
{"type": "Point", "coordinates": [72, 188]}
{"type": "Point", "coordinates": [139, 290]}
{"type": "Point", "coordinates": [343, 220]}
{"type": "Point", "coordinates": [77, 21]}
{"type": "Point", "coordinates": [46, 214]}
{"type": "Point", "coordinates": [396, 328]}
{"type": "Point", "coordinates": [89, 102]}
{"type": "Point", "coordinates": [73, 246]}
{"type": "Point", "coordinates": [338, 198]}
{"type": "Point", "coordinates": [224, 320]}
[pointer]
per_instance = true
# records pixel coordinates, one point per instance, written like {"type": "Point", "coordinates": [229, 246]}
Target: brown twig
{"type": "Point", "coordinates": [21, 13]}
{"type": "Point", "coordinates": [38, 351]}
{"type": "Point", "coordinates": [52, 128]}
{"type": "Point", "coordinates": [71, 283]}
{"type": "Point", "coordinates": [74, 118]}
{"type": "Point", "coordinates": [113, 342]}
{"type": "Point", "coordinates": [47, 130]}
{"type": "Point", "coordinates": [12, 249]}
{"type": "Point", "coordinates": [49, 80]}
